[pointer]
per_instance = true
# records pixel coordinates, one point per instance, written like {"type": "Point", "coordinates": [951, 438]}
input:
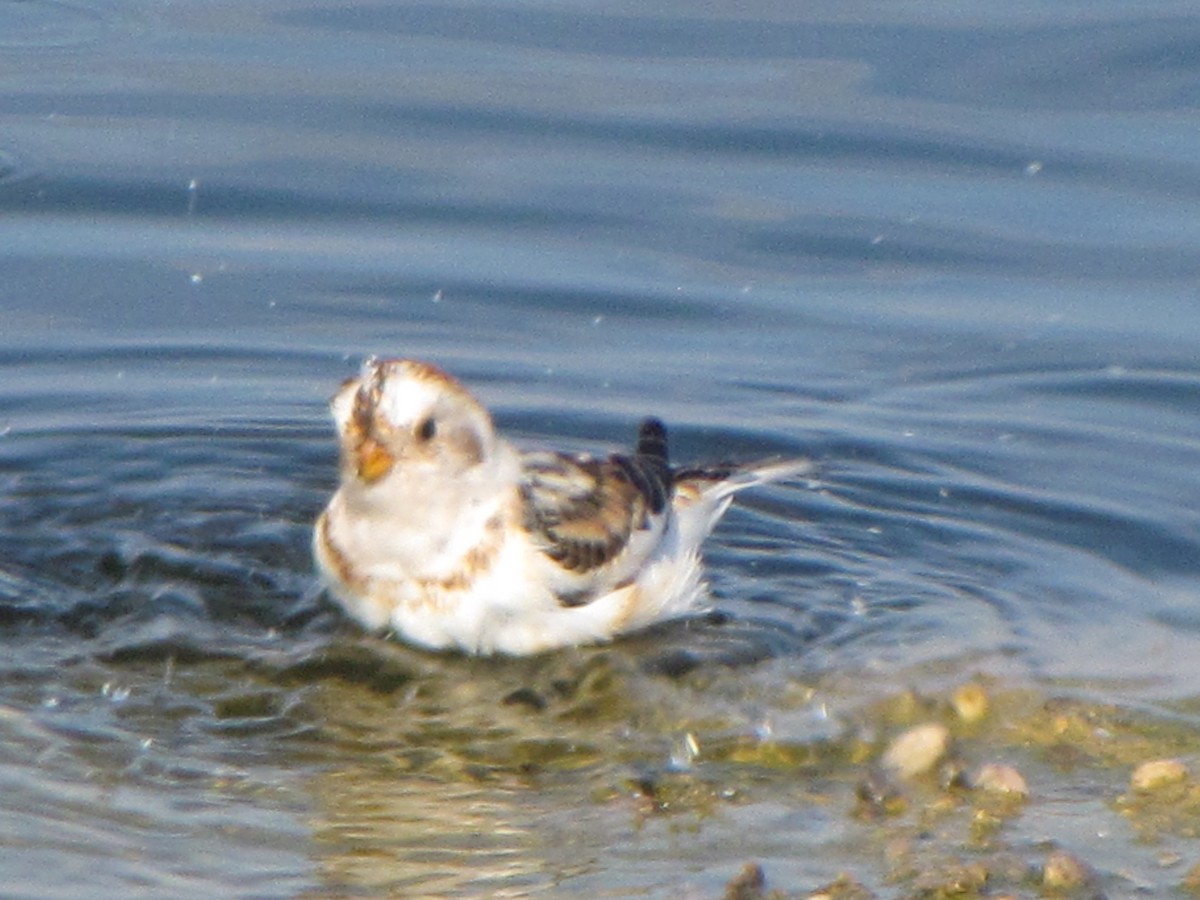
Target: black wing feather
{"type": "Point", "coordinates": [584, 510]}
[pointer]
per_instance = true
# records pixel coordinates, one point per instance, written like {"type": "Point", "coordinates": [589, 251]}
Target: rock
{"type": "Point", "coordinates": [747, 884]}
{"type": "Point", "coordinates": [917, 750]}
{"type": "Point", "coordinates": [951, 878]}
{"type": "Point", "coordinates": [1064, 872]}
{"type": "Point", "coordinates": [1191, 881]}
{"type": "Point", "coordinates": [842, 888]}
{"type": "Point", "coordinates": [1000, 779]}
{"type": "Point", "coordinates": [970, 702]}
{"type": "Point", "coordinates": [878, 797]}
{"type": "Point", "coordinates": [1157, 773]}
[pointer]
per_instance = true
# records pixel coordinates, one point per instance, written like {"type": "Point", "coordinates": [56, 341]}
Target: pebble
{"type": "Point", "coordinates": [1064, 871]}
{"type": "Point", "coordinates": [970, 702]}
{"type": "Point", "coordinates": [917, 750]}
{"type": "Point", "coordinates": [1000, 779]}
{"type": "Point", "coordinates": [748, 884]}
{"type": "Point", "coordinates": [1191, 881]}
{"type": "Point", "coordinates": [1157, 773]}
{"type": "Point", "coordinates": [843, 888]}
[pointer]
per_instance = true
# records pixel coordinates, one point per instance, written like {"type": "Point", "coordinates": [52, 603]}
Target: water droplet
{"type": "Point", "coordinates": [115, 693]}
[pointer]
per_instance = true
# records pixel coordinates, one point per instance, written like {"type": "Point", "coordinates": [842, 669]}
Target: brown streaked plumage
{"type": "Point", "coordinates": [581, 512]}
{"type": "Point", "coordinates": [334, 559]}
{"type": "Point", "coordinates": [443, 532]}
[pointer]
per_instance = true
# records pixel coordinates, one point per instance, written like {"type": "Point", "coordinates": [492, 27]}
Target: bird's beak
{"type": "Point", "coordinates": [374, 460]}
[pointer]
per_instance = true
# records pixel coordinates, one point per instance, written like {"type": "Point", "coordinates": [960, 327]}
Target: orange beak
{"type": "Point", "coordinates": [374, 460]}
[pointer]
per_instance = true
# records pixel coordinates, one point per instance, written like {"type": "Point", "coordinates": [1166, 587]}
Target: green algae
{"type": "Point", "coordinates": [419, 747]}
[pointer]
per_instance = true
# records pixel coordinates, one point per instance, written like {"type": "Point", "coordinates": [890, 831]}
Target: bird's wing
{"type": "Point", "coordinates": [586, 513]}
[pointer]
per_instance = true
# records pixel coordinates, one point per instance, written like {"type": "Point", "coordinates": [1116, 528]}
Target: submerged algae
{"type": "Point", "coordinates": [1026, 785]}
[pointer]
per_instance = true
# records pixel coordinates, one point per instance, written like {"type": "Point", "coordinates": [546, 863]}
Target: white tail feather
{"type": "Point", "coordinates": [750, 474]}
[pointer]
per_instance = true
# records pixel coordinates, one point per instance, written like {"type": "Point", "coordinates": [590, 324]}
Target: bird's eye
{"type": "Point", "coordinates": [426, 429]}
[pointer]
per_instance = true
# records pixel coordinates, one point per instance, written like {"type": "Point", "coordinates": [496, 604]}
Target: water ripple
{"type": "Point", "coordinates": [46, 24]}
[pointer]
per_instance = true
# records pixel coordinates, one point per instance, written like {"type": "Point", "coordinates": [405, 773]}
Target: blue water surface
{"type": "Point", "coordinates": [949, 251]}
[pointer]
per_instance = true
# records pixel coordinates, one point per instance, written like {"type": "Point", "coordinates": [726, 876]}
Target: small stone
{"type": "Point", "coordinates": [1158, 773]}
{"type": "Point", "coordinates": [1064, 871]}
{"type": "Point", "coordinates": [970, 702]}
{"type": "Point", "coordinates": [1000, 779]}
{"type": "Point", "coordinates": [917, 750]}
{"type": "Point", "coordinates": [953, 878]}
{"type": "Point", "coordinates": [747, 884]}
{"type": "Point", "coordinates": [953, 775]}
{"type": "Point", "coordinates": [877, 798]}
{"type": "Point", "coordinates": [1191, 881]}
{"type": "Point", "coordinates": [526, 697]}
{"type": "Point", "coordinates": [843, 887]}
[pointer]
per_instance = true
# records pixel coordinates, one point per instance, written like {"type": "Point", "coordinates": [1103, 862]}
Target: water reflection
{"type": "Point", "coordinates": [503, 778]}
{"type": "Point", "coordinates": [435, 788]}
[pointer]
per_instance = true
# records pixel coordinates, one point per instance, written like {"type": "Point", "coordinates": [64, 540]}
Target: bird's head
{"type": "Point", "coordinates": [402, 421]}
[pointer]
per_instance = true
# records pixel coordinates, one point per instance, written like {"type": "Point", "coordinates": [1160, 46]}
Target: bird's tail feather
{"type": "Point", "coordinates": [703, 493]}
{"type": "Point", "coordinates": [723, 479]}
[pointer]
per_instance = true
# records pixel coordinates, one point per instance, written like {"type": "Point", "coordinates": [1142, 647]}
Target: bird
{"type": "Point", "coordinates": [445, 534]}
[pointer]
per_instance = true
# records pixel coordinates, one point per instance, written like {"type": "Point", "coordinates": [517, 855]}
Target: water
{"type": "Point", "coordinates": [950, 253]}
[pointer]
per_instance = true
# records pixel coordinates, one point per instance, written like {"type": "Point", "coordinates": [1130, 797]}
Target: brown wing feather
{"type": "Point", "coordinates": [585, 510]}
{"type": "Point", "coordinates": [581, 510]}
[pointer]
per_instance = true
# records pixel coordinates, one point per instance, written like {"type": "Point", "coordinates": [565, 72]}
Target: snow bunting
{"type": "Point", "coordinates": [443, 532]}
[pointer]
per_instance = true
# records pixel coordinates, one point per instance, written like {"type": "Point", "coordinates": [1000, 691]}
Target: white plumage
{"type": "Point", "coordinates": [443, 532]}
